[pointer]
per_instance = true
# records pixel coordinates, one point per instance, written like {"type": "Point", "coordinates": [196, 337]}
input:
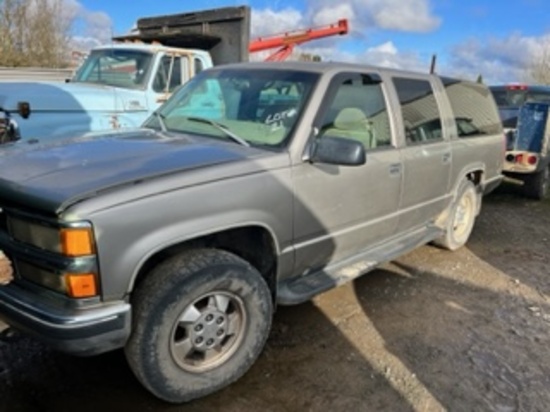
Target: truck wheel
{"type": "Point", "coordinates": [461, 218]}
{"type": "Point", "coordinates": [536, 185]}
{"type": "Point", "coordinates": [200, 320]}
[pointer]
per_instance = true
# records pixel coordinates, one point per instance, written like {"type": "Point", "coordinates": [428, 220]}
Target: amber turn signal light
{"type": "Point", "coordinates": [81, 285]}
{"type": "Point", "coordinates": [77, 241]}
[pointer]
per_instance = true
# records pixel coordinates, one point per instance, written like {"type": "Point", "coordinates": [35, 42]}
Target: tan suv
{"type": "Point", "coordinates": [254, 185]}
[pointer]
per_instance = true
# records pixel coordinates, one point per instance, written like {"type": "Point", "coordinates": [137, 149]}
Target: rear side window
{"type": "Point", "coordinates": [419, 108]}
{"type": "Point", "coordinates": [473, 107]}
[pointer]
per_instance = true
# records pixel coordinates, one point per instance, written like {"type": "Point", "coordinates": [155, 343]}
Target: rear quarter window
{"type": "Point", "coordinates": [474, 108]}
{"type": "Point", "coordinates": [419, 109]}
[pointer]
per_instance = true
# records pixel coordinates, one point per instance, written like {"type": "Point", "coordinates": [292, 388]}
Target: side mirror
{"type": "Point", "coordinates": [24, 109]}
{"type": "Point", "coordinates": [339, 151]}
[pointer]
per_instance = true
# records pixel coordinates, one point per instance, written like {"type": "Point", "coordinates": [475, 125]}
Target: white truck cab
{"type": "Point", "coordinates": [120, 85]}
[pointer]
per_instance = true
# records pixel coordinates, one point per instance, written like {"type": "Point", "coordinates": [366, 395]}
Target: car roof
{"type": "Point", "coordinates": [317, 67]}
{"type": "Point", "coordinates": [147, 47]}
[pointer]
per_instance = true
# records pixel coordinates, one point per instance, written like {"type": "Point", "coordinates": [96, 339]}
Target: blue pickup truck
{"type": "Point", "coordinates": [122, 84]}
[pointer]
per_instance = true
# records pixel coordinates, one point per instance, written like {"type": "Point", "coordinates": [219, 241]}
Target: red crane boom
{"type": "Point", "coordinates": [287, 41]}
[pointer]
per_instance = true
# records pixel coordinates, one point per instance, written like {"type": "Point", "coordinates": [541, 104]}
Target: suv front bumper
{"type": "Point", "coordinates": [83, 332]}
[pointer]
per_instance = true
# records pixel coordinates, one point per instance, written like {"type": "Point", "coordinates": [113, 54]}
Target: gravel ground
{"type": "Point", "coordinates": [434, 330]}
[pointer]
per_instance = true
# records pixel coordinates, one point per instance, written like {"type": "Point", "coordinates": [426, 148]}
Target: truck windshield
{"type": "Point", "coordinates": [123, 68]}
{"type": "Point", "coordinates": [259, 106]}
{"type": "Point", "coordinates": [509, 99]}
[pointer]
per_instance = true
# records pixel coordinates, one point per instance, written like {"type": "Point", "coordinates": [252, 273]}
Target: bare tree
{"type": "Point", "coordinates": [34, 33]}
{"type": "Point", "coordinates": [540, 67]}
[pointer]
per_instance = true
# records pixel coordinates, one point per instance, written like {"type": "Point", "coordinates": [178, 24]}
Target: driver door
{"type": "Point", "coordinates": [342, 210]}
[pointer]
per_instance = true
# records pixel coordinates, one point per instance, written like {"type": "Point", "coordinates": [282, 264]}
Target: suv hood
{"type": "Point", "coordinates": [63, 96]}
{"type": "Point", "coordinates": [50, 177]}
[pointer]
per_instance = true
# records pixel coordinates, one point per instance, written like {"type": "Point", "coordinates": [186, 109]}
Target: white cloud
{"type": "Point", "coordinates": [98, 25]}
{"type": "Point", "coordinates": [91, 28]}
{"type": "Point", "coordinates": [387, 48]}
{"type": "Point", "coordinates": [365, 15]}
{"type": "Point", "coordinates": [333, 12]}
{"type": "Point", "coordinates": [267, 21]}
{"type": "Point", "coordinates": [498, 59]}
{"type": "Point", "coordinates": [413, 15]}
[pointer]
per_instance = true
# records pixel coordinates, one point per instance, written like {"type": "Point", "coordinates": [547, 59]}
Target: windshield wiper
{"type": "Point", "coordinates": [222, 128]}
{"type": "Point", "coordinates": [160, 117]}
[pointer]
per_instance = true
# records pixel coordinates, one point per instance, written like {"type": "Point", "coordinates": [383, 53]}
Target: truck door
{"type": "Point", "coordinates": [172, 71]}
{"type": "Point", "coordinates": [426, 154]}
{"type": "Point", "coordinates": [341, 210]}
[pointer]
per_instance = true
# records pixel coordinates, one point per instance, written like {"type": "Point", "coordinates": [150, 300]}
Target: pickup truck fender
{"type": "Point", "coordinates": [163, 221]}
{"type": "Point", "coordinates": [172, 238]}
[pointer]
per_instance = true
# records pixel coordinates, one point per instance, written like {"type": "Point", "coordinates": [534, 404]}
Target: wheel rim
{"type": "Point", "coordinates": [208, 331]}
{"type": "Point", "coordinates": [463, 216]}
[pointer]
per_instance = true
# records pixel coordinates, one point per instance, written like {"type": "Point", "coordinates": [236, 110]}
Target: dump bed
{"type": "Point", "coordinates": [224, 32]}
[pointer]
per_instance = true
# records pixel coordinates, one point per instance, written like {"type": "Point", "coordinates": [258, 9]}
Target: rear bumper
{"type": "Point", "coordinates": [77, 331]}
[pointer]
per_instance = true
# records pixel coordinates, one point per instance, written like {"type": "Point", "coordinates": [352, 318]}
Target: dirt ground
{"type": "Point", "coordinates": [435, 330]}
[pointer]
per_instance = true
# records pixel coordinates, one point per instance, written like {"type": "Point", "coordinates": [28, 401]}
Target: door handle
{"type": "Point", "coordinates": [446, 158]}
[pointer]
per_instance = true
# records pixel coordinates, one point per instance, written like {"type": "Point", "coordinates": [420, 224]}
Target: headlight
{"type": "Point", "coordinates": [75, 285]}
{"type": "Point", "coordinates": [68, 241]}
{"type": "Point", "coordinates": [75, 241]}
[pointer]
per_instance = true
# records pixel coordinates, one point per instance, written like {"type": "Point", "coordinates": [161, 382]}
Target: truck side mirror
{"type": "Point", "coordinates": [339, 151]}
{"type": "Point", "coordinates": [24, 109]}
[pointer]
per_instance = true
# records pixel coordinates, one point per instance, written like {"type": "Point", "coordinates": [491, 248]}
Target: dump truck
{"type": "Point", "coordinates": [119, 85]}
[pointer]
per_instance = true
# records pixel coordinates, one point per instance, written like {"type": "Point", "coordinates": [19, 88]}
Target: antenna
{"type": "Point", "coordinates": [434, 61]}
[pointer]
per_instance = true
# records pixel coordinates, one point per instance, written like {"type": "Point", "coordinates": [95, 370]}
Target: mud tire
{"type": "Point", "coordinates": [174, 289]}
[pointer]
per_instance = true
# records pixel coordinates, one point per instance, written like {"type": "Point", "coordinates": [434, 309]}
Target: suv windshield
{"type": "Point", "coordinates": [259, 106]}
{"type": "Point", "coordinates": [116, 67]}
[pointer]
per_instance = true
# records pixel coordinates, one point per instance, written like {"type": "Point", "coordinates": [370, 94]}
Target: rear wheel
{"type": "Point", "coordinates": [536, 185]}
{"type": "Point", "coordinates": [200, 320]}
{"type": "Point", "coordinates": [461, 217]}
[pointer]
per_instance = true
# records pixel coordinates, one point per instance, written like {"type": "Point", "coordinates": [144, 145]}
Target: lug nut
{"type": "Point", "coordinates": [220, 332]}
{"type": "Point", "coordinates": [219, 321]}
{"type": "Point", "coordinates": [209, 318]}
{"type": "Point", "coordinates": [198, 328]}
{"type": "Point", "coordinates": [209, 342]}
{"type": "Point", "coordinates": [198, 341]}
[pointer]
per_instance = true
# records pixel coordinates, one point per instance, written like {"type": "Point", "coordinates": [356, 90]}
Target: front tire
{"type": "Point", "coordinates": [460, 222]}
{"type": "Point", "coordinates": [200, 321]}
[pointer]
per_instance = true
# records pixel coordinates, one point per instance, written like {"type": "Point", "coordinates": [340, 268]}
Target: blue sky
{"type": "Point", "coordinates": [498, 39]}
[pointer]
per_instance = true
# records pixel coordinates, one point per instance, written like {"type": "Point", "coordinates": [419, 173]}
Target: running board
{"type": "Point", "coordinates": [301, 289]}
